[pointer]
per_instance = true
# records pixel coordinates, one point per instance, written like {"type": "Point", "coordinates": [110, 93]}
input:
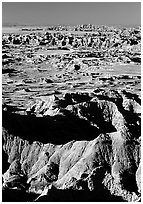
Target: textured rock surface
{"type": "Point", "coordinates": [138, 178]}
{"type": "Point", "coordinates": [107, 159]}
{"type": "Point", "coordinates": [72, 116]}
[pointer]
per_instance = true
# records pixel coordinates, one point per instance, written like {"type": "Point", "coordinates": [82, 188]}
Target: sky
{"type": "Point", "coordinates": [53, 13]}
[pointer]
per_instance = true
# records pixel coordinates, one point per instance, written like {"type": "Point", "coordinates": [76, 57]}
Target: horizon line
{"type": "Point", "coordinates": [109, 25]}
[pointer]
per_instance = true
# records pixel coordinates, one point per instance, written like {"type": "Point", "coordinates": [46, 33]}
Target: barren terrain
{"type": "Point", "coordinates": [71, 113]}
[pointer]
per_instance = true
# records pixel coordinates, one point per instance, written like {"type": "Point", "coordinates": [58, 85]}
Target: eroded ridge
{"type": "Point", "coordinates": [71, 114]}
{"type": "Point", "coordinates": [75, 144]}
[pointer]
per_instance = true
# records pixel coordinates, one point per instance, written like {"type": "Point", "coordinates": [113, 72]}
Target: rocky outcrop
{"type": "Point", "coordinates": [138, 178]}
{"type": "Point", "coordinates": [71, 114]}
{"type": "Point", "coordinates": [105, 161]}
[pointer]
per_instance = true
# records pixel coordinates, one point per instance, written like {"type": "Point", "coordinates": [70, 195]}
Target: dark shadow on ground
{"type": "Point", "coordinates": [13, 195]}
{"type": "Point", "coordinates": [57, 129]}
{"type": "Point", "coordinates": [58, 195]}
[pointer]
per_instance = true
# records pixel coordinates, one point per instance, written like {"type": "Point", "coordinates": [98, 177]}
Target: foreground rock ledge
{"type": "Point", "coordinates": [75, 148]}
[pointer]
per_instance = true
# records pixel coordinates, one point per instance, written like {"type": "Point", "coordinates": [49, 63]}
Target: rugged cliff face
{"type": "Point", "coordinates": [77, 147]}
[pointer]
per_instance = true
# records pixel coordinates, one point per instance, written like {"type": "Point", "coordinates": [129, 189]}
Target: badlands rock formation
{"type": "Point", "coordinates": [72, 116]}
